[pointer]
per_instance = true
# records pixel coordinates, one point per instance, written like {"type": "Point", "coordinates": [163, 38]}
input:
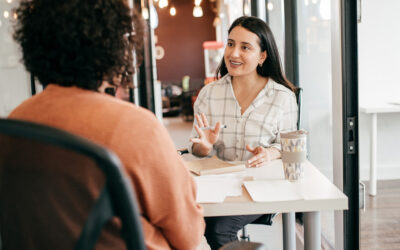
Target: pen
{"type": "Point", "coordinates": [207, 128]}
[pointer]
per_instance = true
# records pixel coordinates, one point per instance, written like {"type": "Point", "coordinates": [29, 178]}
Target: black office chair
{"type": "Point", "coordinates": [37, 165]}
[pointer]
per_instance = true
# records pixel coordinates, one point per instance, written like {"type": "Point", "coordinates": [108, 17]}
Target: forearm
{"type": "Point", "coordinates": [201, 150]}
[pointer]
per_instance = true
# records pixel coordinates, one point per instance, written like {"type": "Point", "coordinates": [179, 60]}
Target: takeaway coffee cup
{"type": "Point", "coordinates": [294, 154]}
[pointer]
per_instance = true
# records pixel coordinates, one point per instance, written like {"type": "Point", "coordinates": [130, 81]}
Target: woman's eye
{"type": "Point", "coordinates": [245, 48]}
{"type": "Point", "coordinates": [230, 44]}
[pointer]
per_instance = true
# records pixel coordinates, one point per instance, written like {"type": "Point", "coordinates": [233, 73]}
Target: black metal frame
{"type": "Point", "coordinates": [350, 110]}
{"type": "Point", "coordinates": [117, 193]}
{"type": "Point", "coordinates": [291, 42]}
{"type": "Point", "coordinates": [146, 77]}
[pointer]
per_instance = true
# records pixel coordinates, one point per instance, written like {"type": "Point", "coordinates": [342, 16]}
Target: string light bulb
{"type": "Point", "coordinates": [163, 3]}
{"type": "Point", "coordinates": [197, 11]}
{"type": "Point", "coordinates": [172, 11]}
{"type": "Point", "coordinates": [197, 2]}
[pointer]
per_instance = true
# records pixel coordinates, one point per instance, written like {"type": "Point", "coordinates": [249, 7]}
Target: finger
{"type": "Point", "coordinates": [259, 150]}
{"type": "Point", "coordinates": [249, 148]}
{"type": "Point", "coordinates": [195, 140]}
{"type": "Point", "coordinates": [199, 121]}
{"type": "Point", "coordinates": [257, 163]}
{"type": "Point", "coordinates": [199, 131]}
{"type": "Point", "coordinates": [204, 119]}
{"type": "Point", "coordinates": [217, 128]}
{"type": "Point", "coordinates": [256, 157]}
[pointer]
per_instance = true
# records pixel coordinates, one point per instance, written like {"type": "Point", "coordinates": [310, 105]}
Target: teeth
{"type": "Point", "coordinates": [236, 63]}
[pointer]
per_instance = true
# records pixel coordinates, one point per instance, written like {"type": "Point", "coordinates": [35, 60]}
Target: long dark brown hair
{"type": "Point", "coordinates": [272, 66]}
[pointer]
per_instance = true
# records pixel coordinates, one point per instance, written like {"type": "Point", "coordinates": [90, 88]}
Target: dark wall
{"type": "Point", "coordinates": [182, 37]}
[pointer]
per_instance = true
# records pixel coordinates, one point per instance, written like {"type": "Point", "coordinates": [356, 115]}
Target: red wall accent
{"type": "Point", "coordinates": [182, 37]}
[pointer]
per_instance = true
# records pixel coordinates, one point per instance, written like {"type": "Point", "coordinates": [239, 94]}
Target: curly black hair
{"type": "Point", "coordinates": [78, 42]}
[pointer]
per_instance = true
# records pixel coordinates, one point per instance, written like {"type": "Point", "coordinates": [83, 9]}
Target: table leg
{"type": "Point", "coordinates": [372, 168]}
{"type": "Point", "coordinates": [312, 231]}
{"type": "Point", "coordinates": [289, 231]}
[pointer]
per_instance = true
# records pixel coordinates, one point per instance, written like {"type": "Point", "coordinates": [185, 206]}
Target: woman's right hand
{"type": "Point", "coordinates": [203, 144]}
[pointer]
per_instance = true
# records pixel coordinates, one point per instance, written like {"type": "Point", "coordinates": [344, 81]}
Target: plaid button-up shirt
{"type": "Point", "coordinates": [273, 111]}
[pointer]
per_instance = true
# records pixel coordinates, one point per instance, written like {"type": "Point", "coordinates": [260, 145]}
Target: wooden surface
{"type": "Point", "coordinates": [380, 223]}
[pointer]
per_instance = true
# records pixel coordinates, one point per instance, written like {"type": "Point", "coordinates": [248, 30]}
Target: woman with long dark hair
{"type": "Point", "coordinates": [254, 101]}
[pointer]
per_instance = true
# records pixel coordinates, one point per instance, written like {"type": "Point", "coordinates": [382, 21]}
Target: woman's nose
{"type": "Point", "coordinates": [235, 52]}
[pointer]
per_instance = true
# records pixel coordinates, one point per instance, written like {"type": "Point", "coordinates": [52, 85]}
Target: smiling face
{"type": "Point", "coordinates": [243, 52]}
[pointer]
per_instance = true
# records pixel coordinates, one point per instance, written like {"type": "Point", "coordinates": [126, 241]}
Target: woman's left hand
{"type": "Point", "coordinates": [261, 156]}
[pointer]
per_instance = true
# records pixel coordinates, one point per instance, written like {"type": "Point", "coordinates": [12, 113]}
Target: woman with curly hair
{"type": "Point", "coordinates": [75, 48]}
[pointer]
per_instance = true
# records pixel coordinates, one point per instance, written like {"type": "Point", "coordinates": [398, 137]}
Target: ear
{"type": "Point", "coordinates": [263, 57]}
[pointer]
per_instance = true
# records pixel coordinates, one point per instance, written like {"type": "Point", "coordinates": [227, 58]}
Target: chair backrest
{"type": "Point", "coordinates": [61, 191]}
{"type": "Point", "coordinates": [298, 99]}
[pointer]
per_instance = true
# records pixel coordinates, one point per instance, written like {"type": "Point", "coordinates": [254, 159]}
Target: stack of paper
{"type": "Point", "coordinates": [215, 188]}
{"type": "Point", "coordinates": [272, 190]}
{"type": "Point", "coordinates": [213, 165]}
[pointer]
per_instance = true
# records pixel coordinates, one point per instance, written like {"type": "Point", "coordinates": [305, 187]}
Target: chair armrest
{"type": "Point", "coordinates": [243, 245]}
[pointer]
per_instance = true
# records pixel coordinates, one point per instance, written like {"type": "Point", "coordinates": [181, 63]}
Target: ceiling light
{"type": "Point", "coordinates": [197, 11]}
{"type": "Point", "coordinates": [163, 3]}
{"type": "Point", "coordinates": [172, 11]}
{"type": "Point", "coordinates": [270, 6]}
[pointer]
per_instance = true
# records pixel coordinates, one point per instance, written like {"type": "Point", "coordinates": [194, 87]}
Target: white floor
{"type": "Point", "coordinates": [270, 236]}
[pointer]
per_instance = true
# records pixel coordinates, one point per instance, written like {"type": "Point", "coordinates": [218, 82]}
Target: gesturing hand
{"type": "Point", "coordinates": [261, 156]}
{"type": "Point", "coordinates": [207, 137]}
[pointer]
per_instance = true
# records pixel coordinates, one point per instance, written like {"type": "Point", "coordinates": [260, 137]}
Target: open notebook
{"type": "Point", "coordinates": [213, 165]}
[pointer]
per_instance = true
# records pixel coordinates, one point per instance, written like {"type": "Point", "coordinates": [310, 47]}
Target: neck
{"type": "Point", "coordinates": [249, 82]}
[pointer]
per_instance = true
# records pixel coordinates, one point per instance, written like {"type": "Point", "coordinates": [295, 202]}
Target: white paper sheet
{"type": "Point", "coordinates": [272, 190]}
{"type": "Point", "coordinates": [215, 188]}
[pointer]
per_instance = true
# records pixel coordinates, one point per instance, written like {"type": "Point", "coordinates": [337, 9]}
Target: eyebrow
{"type": "Point", "coordinates": [244, 43]}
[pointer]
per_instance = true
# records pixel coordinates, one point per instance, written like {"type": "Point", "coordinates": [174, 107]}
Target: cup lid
{"type": "Point", "coordinates": [295, 134]}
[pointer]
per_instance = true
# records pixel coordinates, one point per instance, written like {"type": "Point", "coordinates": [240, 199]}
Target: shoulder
{"type": "Point", "coordinates": [216, 87]}
{"type": "Point", "coordinates": [282, 92]}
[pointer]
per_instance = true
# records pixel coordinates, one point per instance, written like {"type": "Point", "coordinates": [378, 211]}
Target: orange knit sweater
{"type": "Point", "coordinates": [164, 188]}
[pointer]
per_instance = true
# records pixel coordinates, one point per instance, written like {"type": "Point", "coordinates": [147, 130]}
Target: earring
{"type": "Point", "coordinates": [260, 65]}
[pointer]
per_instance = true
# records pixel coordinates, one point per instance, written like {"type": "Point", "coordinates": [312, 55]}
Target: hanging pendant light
{"type": "Point", "coordinates": [172, 11]}
{"type": "Point", "coordinates": [197, 11]}
{"type": "Point", "coordinates": [163, 3]}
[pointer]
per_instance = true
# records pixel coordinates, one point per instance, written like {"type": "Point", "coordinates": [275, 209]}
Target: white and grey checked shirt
{"type": "Point", "coordinates": [273, 111]}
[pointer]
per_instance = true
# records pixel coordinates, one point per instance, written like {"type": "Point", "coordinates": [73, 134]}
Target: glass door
{"type": "Point", "coordinates": [328, 73]}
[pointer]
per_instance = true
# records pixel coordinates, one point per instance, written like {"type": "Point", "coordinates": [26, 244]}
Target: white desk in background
{"type": "Point", "coordinates": [374, 110]}
{"type": "Point", "coordinates": [318, 192]}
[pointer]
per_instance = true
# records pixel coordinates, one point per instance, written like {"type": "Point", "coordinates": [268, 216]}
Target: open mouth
{"type": "Point", "coordinates": [235, 63]}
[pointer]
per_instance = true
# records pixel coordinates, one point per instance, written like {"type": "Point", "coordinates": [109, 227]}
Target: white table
{"type": "Point", "coordinates": [373, 110]}
{"type": "Point", "coordinates": [320, 194]}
